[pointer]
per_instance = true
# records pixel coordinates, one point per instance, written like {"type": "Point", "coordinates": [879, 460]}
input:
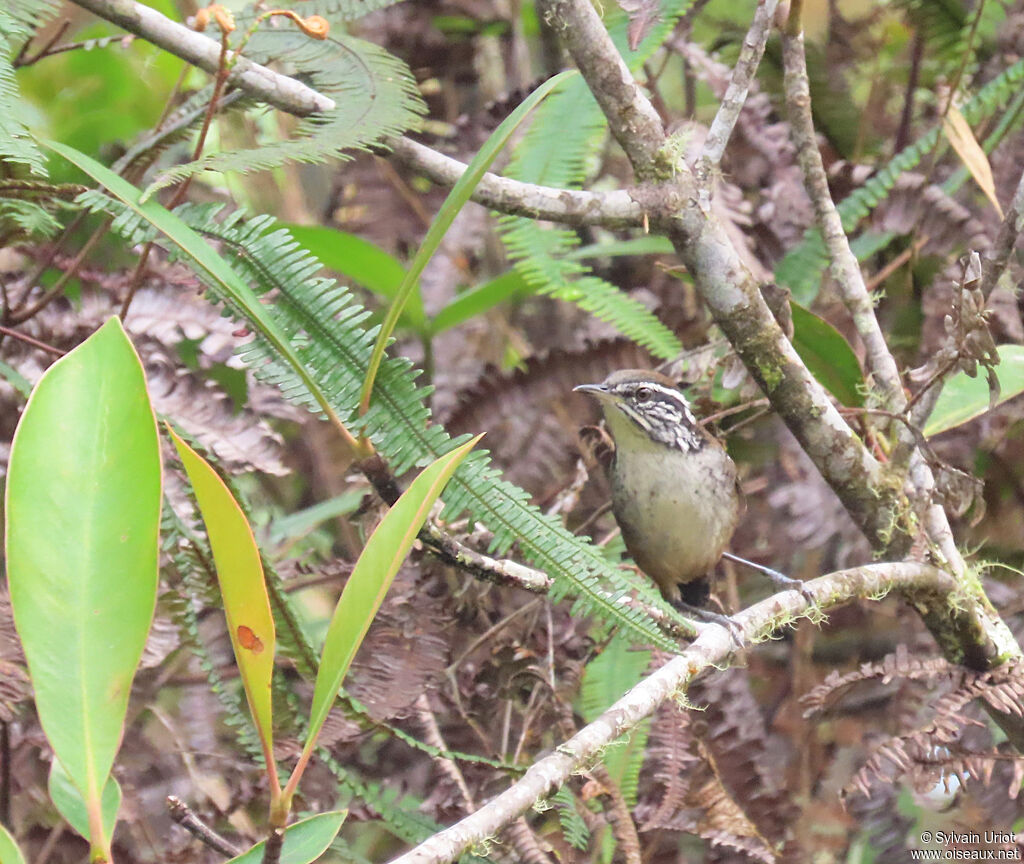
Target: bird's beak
{"type": "Point", "coordinates": [597, 390]}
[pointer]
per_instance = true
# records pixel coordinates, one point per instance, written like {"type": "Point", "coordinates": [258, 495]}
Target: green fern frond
{"type": "Point", "coordinates": [564, 136]}
{"type": "Point", "coordinates": [574, 828]}
{"type": "Point", "coordinates": [328, 333]}
{"type": "Point", "coordinates": [607, 677]}
{"type": "Point", "coordinates": [26, 218]}
{"type": "Point", "coordinates": [16, 26]}
{"type": "Point", "coordinates": [802, 267]}
{"type": "Point", "coordinates": [374, 91]}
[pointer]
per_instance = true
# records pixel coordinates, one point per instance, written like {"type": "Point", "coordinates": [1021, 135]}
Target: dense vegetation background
{"type": "Point", "coordinates": [845, 738]}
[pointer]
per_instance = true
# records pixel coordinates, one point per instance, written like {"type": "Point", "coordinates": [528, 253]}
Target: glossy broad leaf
{"type": "Point", "coordinates": [364, 592]}
{"type": "Point", "coordinates": [828, 356]}
{"type": "Point", "coordinates": [240, 574]}
{"type": "Point", "coordinates": [83, 511]}
{"type": "Point", "coordinates": [480, 299]}
{"type": "Point", "coordinates": [9, 851]}
{"type": "Point", "coordinates": [963, 398]}
{"type": "Point", "coordinates": [304, 842]}
{"type": "Point", "coordinates": [68, 801]}
{"type": "Point", "coordinates": [361, 261]}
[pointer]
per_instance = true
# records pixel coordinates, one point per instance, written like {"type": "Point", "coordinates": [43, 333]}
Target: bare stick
{"type": "Point", "coordinates": [844, 266]}
{"type": "Point", "coordinates": [742, 74]}
{"type": "Point", "coordinates": [612, 209]}
{"type": "Point", "coordinates": [1006, 239]}
{"type": "Point", "coordinates": [572, 206]}
{"type": "Point", "coordinates": [183, 815]}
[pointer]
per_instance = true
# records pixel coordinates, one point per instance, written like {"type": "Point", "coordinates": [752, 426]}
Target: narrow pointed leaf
{"type": "Point", "coordinates": [68, 801]}
{"type": "Point", "coordinates": [374, 571]}
{"type": "Point", "coordinates": [958, 133]}
{"type": "Point", "coordinates": [455, 201]}
{"type": "Point", "coordinates": [83, 510]}
{"type": "Point", "coordinates": [242, 585]}
{"type": "Point", "coordinates": [304, 842]}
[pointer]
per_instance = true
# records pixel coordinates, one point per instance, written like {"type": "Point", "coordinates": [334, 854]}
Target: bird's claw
{"type": "Point", "coordinates": [706, 616]}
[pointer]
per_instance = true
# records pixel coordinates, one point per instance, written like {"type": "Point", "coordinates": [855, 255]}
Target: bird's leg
{"type": "Point", "coordinates": [786, 583]}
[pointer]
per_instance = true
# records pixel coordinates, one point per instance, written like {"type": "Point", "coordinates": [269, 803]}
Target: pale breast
{"type": "Point", "coordinates": [675, 530]}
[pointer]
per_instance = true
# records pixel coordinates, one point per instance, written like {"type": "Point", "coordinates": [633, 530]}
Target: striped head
{"type": "Point", "coordinates": [638, 402]}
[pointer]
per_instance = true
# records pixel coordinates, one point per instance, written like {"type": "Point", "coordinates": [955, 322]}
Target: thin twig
{"type": "Point", "coordinates": [736, 94]}
{"type": "Point", "coordinates": [432, 735]}
{"type": "Point", "coordinates": [282, 92]}
{"type": "Point", "coordinates": [35, 343]}
{"type": "Point", "coordinates": [22, 60]}
{"type": "Point", "coordinates": [844, 266]}
{"type": "Point", "coordinates": [182, 814]}
{"type": "Point", "coordinates": [182, 190]}
{"type": "Point", "coordinates": [735, 409]}
{"type": "Point", "coordinates": [999, 256]}
{"type": "Point", "coordinates": [69, 272]}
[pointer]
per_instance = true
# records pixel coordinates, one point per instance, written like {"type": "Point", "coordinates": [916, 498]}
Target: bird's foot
{"type": "Point", "coordinates": [706, 616]}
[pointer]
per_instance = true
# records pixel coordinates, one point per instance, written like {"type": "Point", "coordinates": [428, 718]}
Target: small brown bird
{"type": "Point", "coordinates": [674, 491]}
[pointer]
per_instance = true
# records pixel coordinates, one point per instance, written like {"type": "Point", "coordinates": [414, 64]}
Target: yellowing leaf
{"type": "Point", "coordinates": [246, 604]}
{"type": "Point", "coordinates": [961, 138]}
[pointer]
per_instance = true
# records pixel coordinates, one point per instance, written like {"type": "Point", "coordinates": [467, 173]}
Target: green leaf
{"type": "Point", "coordinates": [304, 842]}
{"type": "Point", "coordinates": [9, 851]}
{"type": "Point", "coordinates": [455, 201]}
{"type": "Point", "coordinates": [297, 525]}
{"type": "Point", "coordinates": [13, 377]}
{"type": "Point", "coordinates": [963, 398]}
{"type": "Point", "coordinates": [210, 266]}
{"type": "Point", "coordinates": [361, 261]}
{"type": "Point", "coordinates": [364, 592]}
{"type": "Point", "coordinates": [828, 356]}
{"type": "Point", "coordinates": [648, 244]}
{"type": "Point", "coordinates": [246, 604]}
{"type": "Point", "coordinates": [480, 299]}
{"type": "Point", "coordinates": [68, 801]}
{"type": "Point", "coordinates": [83, 512]}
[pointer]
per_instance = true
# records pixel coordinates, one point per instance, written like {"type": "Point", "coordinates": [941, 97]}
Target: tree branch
{"type": "Point", "coordinates": [572, 207]}
{"type": "Point", "coordinates": [844, 266]}
{"type": "Point", "coordinates": [681, 209]}
{"type": "Point", "coordinates": [711, 650]}
{"type": "Point", "coordinates": [631, 118]}
{"type": "Point", "coordinates": [282, 92]}
{"type": "Point", "coordinates": [742, 74]}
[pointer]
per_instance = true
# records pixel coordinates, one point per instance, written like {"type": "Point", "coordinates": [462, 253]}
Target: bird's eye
{"type": "Point", "coordinates": [643, 394]}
